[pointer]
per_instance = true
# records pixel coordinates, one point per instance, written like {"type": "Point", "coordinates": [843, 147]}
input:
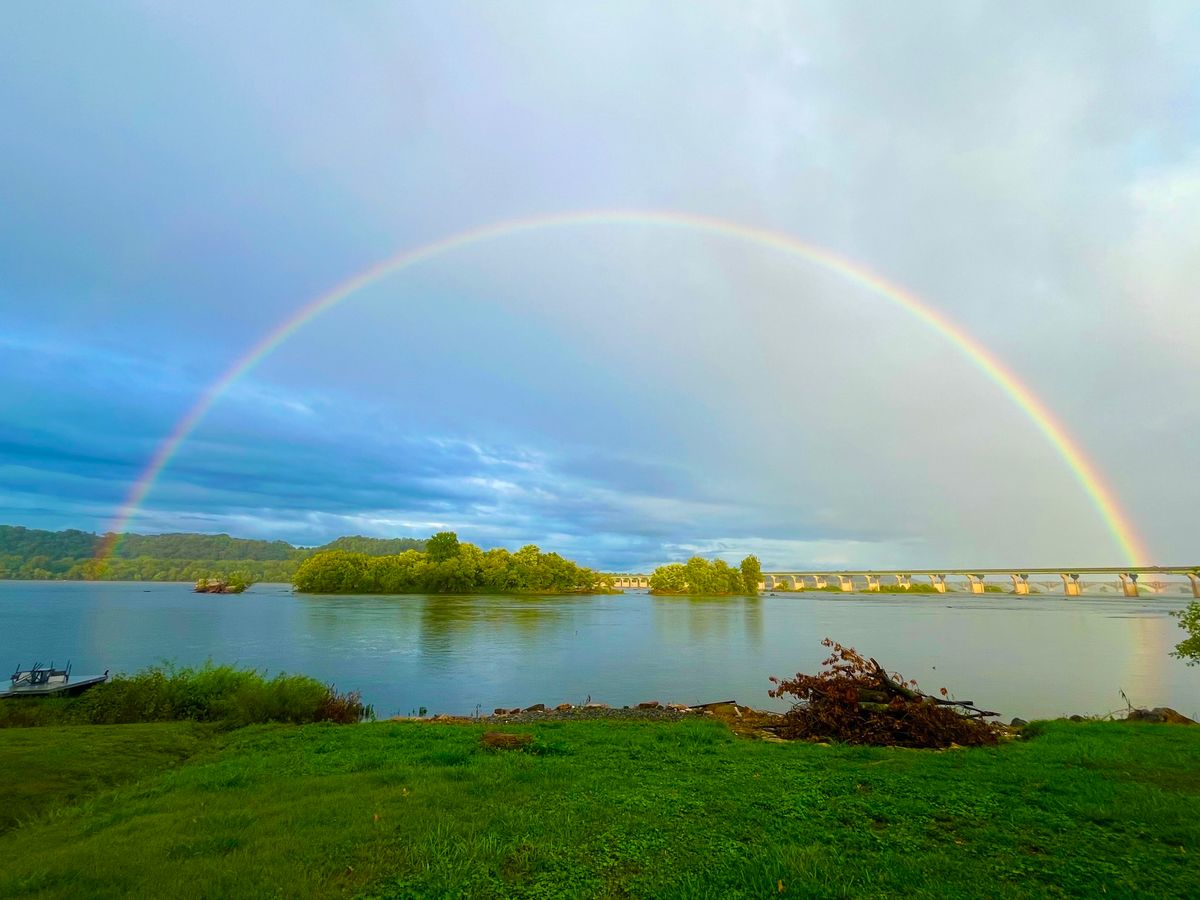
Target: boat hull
{"type": "Point", "coordinates": [55, 689]}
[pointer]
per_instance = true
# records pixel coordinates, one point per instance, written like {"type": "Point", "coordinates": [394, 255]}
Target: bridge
{"type": "Point", "coordinates": [845, 578]}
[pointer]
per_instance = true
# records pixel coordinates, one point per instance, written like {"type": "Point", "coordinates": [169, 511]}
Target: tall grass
{"type": "Point", "coordinates": [222, 694]}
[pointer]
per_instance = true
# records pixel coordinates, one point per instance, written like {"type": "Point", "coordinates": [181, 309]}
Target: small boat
{"type": "Point", "coordinates": [47, 681]}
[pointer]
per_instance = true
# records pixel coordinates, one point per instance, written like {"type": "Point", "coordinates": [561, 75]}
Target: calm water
{"type": "Point", "coordinates": [1036, 656]}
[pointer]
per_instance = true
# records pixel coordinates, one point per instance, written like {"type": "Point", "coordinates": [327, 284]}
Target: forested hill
{"type": "Point", "coordinates": [32, 553]}
{"type": "Point", "coordinates": [370, 546]}
{"type": "Point", "coordinates": [202, 546]}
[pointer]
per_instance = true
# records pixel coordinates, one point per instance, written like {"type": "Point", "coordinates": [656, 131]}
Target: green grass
{"type": "Point", "coordinates": [608, 809]}
{"type": "Point", "coordinates": [43, 769]}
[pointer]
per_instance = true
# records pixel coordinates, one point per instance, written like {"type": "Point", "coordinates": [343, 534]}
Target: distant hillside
{"type": "Point", "coordinates": [372, 546]}
{"type": "Point", "coordinates": [35, 554]}
{"type": "Point", "coordinates": [29, 542]}
{"type": "Point", "coordinates": [202, 546]}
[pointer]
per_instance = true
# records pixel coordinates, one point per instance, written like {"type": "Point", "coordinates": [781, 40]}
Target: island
{"type": "Point", "coordinates": [699, 576]}
{"type": "Point", "coordinates": [448, 566]}
{"type": "Point", "coordinates": [220, 584]}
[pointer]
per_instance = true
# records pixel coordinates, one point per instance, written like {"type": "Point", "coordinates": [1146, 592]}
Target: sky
{"type": "Point", "coordinates": [177, 180]}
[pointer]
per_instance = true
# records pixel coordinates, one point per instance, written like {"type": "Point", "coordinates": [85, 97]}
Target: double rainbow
{"type": "Point", "coordinates": [1101, 495]}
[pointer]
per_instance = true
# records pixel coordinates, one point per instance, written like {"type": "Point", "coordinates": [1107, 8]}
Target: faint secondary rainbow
{"type": "Point", "coordinates": [1085, 472]}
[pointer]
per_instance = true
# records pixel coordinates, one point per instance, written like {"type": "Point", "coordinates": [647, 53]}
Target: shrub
{"type": "Point", "coordinates": [855, 701]}
{"type": "Point", "coordinates": [222, 694]}
{"type": "Point", "coordinates": [1189, 620]}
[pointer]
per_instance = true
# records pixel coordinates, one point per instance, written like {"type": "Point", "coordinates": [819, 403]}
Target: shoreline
{"type": "Point", "coordinates": [1183, 592]}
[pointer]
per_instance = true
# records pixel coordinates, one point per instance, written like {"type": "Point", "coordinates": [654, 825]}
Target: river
{"type": "Point", "coordinates": [1037, 656]}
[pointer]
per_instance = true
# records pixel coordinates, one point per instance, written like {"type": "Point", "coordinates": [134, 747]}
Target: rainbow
{"type": "Point", "coordinates": [1102, 497]}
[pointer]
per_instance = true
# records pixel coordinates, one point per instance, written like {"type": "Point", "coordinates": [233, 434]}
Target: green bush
{"type": "Point", "coordinates": [700, 576]}
{"type": "Point", "coordinates": [1188, 649]}
{"type": "Point", "coordinates": [449, 567]}
{"type": "Point", "coordinates": [221, 694]}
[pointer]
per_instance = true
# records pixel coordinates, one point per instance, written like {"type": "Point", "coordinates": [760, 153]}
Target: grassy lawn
{"type": "Point", "coordinates": [601, 809]}
{"type": "Point", "coordinates": [44, 769]}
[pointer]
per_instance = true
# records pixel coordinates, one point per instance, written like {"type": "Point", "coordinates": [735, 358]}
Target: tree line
{"type": "Point", "coordinates": [701, 576]}
{"type": "Point", "coordinates": [31, 553]}
{"type": "Point", "coordinates": [446, 566]}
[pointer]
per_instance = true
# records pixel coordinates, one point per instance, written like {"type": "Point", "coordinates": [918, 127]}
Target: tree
{"type": "Point", "coordinates": [442, 546]}
{"type": "Point", "coordinates": [335, 572]}
{"type": "Point", "coordinates": [699, 575]}
{"type": "Point", "coordinates": [669, 579]}
{"type": "Point", "coordinates": [240, 580]}
{"type": "Point", "coordinates": [1189, 620]}
{"type": "Point", "coordinates": [751, 574]}
{"type": "Point", "coordinates": [725, 579]}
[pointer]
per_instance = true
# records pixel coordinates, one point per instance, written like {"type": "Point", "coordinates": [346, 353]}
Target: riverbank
{"type": "Point", "coordinates": [593, 808]}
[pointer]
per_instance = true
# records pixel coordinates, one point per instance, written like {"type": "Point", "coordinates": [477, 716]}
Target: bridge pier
{"type": "Point", "coordinates": [1020, 583]}
{"type": "Point", "coordinates": [904, 581]}
{"type": "Point", "coordinates": [797, 582]}
{"type": "Point", "coordinates": [847, 583]}
{"type": "Point", "coordinates": [820, 582]}
{"type": "Point", "coordinates": [939, 583]}
{"type": "Point", "coordinates": [1128, 583]}
{"type": "Point", "coordinates": [1071, 584]}
{"type": "Point", "coordinates": [976, 583]}
{"type": "Point", "coordinates": [1194, 578]}
{"type": "Point", "coordinates": [872, 582]}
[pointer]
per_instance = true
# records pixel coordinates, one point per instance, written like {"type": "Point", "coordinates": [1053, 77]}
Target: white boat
{"type": "Point", "coordinates": [47, 681]}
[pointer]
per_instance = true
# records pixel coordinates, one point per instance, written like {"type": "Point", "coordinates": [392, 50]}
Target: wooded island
{"type": "Point", "coordinates": [447, 566]}
{"type": "Point", "coordinates": [701, 576]}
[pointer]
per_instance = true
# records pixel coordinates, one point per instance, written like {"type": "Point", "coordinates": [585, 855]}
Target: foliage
{"type": "Point", "coordinates": [26, 543]}
{"type": "Point", "coordinates": [751, 574]}
{"type": "Point", "coordinates": [442, 546]}
{"type": "Point", "coordinates": [223, 694]}
{"type": "Point", "coordinates": [669, 579]}
{"type": "Point", "coordinates": [854, 701]}
{"type": "Point", "coordinates": [239, 581]}
{"type": "Point", "coordinates": [633, 809]}
{"type": "Point", "coordinates": [1189, 620]}
{"type": "Point", "coordinates": [447, 566]}
{"type": "Point", "coordinates": [373, 546]}
{"type": "Point", "coordinates": [201, 546]}
{"type": "Point", "coordinates": [700, 576]}
{"type": "Point", "coordinates": [29, 553]}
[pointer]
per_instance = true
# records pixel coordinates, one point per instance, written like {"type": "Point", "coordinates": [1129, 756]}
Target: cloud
{"type": "Point", "coordinates": [626, 392]}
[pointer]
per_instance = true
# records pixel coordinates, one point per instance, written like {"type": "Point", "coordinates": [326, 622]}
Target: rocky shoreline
{"type": "Point", "coordinates": [539, 712]}
{"type": "Point", "coordinates": [742, 719]}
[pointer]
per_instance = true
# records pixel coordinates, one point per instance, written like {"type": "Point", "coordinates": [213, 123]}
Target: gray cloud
{"type": "Point", "coordinates": [629, 393]}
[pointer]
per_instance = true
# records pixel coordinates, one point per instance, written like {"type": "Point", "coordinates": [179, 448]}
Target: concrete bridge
{"type": "Point", "coordinates": [845, 578]}
{"type": "Point", "coordinates": [631, 581]}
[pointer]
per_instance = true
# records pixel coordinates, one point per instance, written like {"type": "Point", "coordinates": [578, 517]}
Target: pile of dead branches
{"type": "Point", "coordinates": [854, 700]}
